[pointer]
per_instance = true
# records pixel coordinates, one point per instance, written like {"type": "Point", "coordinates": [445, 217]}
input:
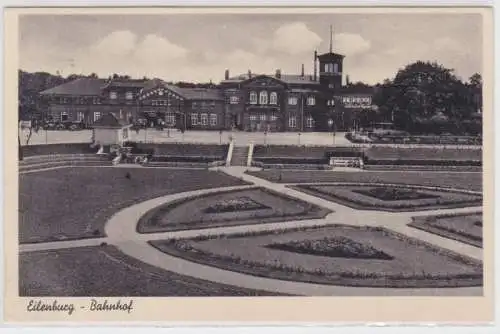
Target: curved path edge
{"type": "Point", "coordinates": [121, 232]}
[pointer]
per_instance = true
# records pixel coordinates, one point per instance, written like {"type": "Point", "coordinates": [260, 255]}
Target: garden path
{"type": "Point", "coordinates": [121, 232]}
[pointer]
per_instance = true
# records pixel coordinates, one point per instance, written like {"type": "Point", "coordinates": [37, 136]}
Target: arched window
{"type": "Point", "coordinates": [273, 98]}
{"type": "Point", "coordinates": [263, 97]}
{"type": "Point", "coordinates": [253, 97]}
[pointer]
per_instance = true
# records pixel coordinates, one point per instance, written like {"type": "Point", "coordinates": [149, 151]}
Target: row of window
{"type": "Point", "coordinates": [356, 99]}
{"type": "Point", "coordinates": [332, 68]}
{"type": "Point", "coordinates": [292, 122]}
{"type": "Point", "coordinates": [203, 104]}
{"type": "Point", "coordinates": [161, 103]}
{"type": "Point", "coordinates": [293, 100]}
{"type": "Point", "coordinates": [128, 95]}
{"type": "Point", "coordinates": [263, 98]}
{"type": "Point", "coordinates": [202, 119]}
{"type": "Point", "coordinates": [80, 116]}
{"type": "Point", "coordinates": [263, 117]}
{"type": "Point", "coordinates": [79, 100]}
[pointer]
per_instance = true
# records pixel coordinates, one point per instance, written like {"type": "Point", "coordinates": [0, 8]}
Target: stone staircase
{"type": "Point", "coordinates": [48, 161]}
{"type": "Point", "coordinates": [240, 156]}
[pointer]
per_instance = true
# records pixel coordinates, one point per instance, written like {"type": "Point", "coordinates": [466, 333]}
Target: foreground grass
{"type": "Point", "coordinates": [74, 203]}
{"type": "Point", "coordinates": [468, 181]}
{"type": "Point", "coordinates": [105, 271]}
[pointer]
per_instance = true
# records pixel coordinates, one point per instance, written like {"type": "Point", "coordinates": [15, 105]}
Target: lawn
{"type": "Point", "coordinates": [394, 199]}
{"type": "Point", "coordinates": [469, 181]}
{"type": "Point", "coordinates": [467, 228]}
{"type": "Point", "coordinates": [105, 271]}
{"type": "Point", "coordinates": [73, 203]}
{"type": "Point", "coordinates": [228, 208]}
{"type": "Point", "coordinates": [336, 254]}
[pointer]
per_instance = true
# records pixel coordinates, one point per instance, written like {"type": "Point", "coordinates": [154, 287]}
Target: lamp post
{"type": "Point", "coordinates": [330, 124]}
{"type": "Point", "coordinates": [299, 134]}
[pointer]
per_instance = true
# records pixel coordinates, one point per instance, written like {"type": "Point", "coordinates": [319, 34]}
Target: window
{"type": "Point", "coordinates": [194, 105]}
{"type": "Point", "coordinates": [204, 119]}
{"type": "Point", "coordinates": [328, 68]}
{"type": "Point", "coordinates": [335, 68]}
{"type": "Point", "coordinates": [170, 119]}
{"type": "Point", "coordinates": [273, 117]}
{"type": "Point", "coordinates": [96, 100]}
{"type": "Point", "coordinates": [253, 117]}
{"type": "Point", "coordinates": [309, 122]}
{"type": "Point", "coordinates": [233, 99]}
{"type": "Point", "coordinates": [311, 101]}
{"type": "Point", "coordinates": [194, 119]}
{"type": "Point", "coordinates": [273, 98]}
{"type": "Point", "coordinates": [113, 95]}
{"type": "Point", "coordinates": [97, 115]}
{"type": "Point", "coordinates": [129, 95]}
{"type": "Point", "coordinates": [292, 100]}
{"type": "Point", "coordinates": [331, 102]}
{"type": "Point", "coordinates": [213, 119]}
{"type": "Point", "coordinates": [262, 117]}
{"type": "Point", "coordinates": [292, 121]}
{"type": "Point", "coordinates": [263, 97]}
{"type": "Point", "coordinates": [80, 116]}
{"type": "Point", "coordinates": [253, 97]}
{"type": "Point", "coordinates": [129, 115]}
{"type": "Point", "coordinates": [64, 116]}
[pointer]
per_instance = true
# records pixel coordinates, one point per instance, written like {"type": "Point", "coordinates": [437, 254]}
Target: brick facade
{"type": "Point", "coordinates": [249, 102]}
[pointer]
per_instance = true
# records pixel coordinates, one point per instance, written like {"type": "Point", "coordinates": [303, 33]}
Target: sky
{"type": "Point", "coordinates": [200, 47]}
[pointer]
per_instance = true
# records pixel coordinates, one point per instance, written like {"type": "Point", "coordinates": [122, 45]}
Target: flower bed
{"type": "Point", "coordinates": [235, 204]}
{"type": "Point", "coordinates": [337, 246]}
{"type": "Point", "coordinates": [351, 196]}
{"type": "Point", "coordinates": [203, 211]}
{"type": "Point", "coordinates": [466, 228]}
{"type": "Point", "coordinates": [414, 263]}
{"type": "Point", "coordinates": [393, 193]}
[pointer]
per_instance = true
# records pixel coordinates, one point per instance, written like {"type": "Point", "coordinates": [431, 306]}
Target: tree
{"type": "Point", "coordinates": [476, 80]}
{"type": "Point", "coordinates": [420, 91]}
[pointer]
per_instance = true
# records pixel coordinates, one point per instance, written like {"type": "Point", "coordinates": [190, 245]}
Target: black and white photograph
{"type": "Point", "coordinates": [248, 155]}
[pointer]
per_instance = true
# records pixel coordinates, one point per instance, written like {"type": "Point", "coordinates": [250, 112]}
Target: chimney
{"type": "Point", "coordinates": [249, 74]}
{"type": "Point", "coordinates": [226, 75]}
{"type": "Point", "coordinates": [302, 71]}
{"type": "Point", "coordinates": [347, 80]}
{"type": "Point", "coordinates": [278, 74]}
{"type": "Point", "coordinates": [315, 64]}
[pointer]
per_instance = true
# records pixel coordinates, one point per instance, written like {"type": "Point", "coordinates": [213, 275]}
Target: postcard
{"type": "Point", "coordinates": [248, 165]}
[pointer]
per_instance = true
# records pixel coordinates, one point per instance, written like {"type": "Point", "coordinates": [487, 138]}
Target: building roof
{"type": "Point", "coordinates": [109, 120]}
{"type": "Point", "coordinates": [201, 93]}
{"type": "Point", "coordinates": [131, 83]}
{"type": "Point", "coordinates": [80, 86]}
{"type": "Point", "coordinates": [287, 78]}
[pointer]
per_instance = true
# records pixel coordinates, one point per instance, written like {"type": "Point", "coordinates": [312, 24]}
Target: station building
{"type": "Point", "coordinates": [248, 102]}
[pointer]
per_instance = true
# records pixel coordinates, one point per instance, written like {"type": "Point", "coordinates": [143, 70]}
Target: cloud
{"type": "Point", "coordinates": [157, 49]}
{"type": "Point", "coordinates": [117, 43]}
{"type": "Point", "coordinates": [350, 44]}
{"type": "Point", "coordinates": [295, 38]}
